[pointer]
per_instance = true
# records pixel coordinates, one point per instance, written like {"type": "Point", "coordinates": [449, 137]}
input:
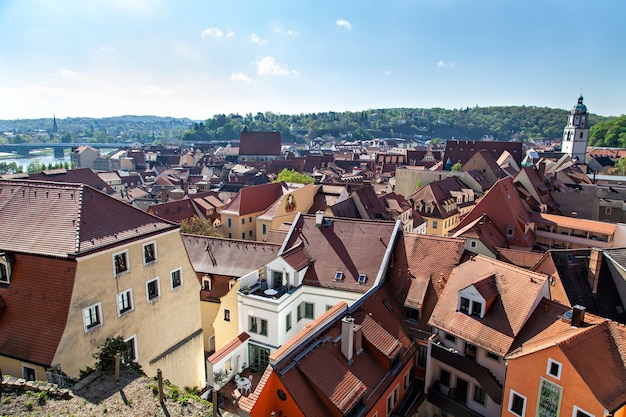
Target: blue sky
{"type": "Point", "coordinates": [198, 58]}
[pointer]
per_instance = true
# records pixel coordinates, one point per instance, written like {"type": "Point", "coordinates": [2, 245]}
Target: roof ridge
{"type": "Point", "coordinates": [78, 219]}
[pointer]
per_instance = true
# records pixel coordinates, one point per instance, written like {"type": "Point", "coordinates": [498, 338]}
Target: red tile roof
{"type": "Point", "coordinates": [228, 348]}
{"type": "Point", "coordinates": [380, 338]}
{"type": "Point", "coordinates": [462, 150]}
{"type": "Point", "coordinates": [504, 207]}
{"type": "Point", "coordinates": [79, 175]}
{"type": "Point", "coordinates": [259, 143]}
{"type": "Point", "coordinates": [352, 247]}
{"type": "Point", "coordinates": [254, 199]}
{"type": "Point", "coordinates": [37, 301]}
{"type": "Point", "coordinates": [519, 290]}
{"type": "Point", "coordinates": [78, 219]}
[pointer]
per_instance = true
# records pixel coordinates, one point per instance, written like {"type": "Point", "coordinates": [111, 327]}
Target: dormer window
{"type": "Point", "coordinates": [471, 307]}
{"type": "Point", "coordinates": [477, 309]}
{"type": "Point", "coordinates": [5, 269]}
{"type": "Point", "coordinates": [510, 230]}
{"type": "Point", "coordinates": [338, 276]}
{"type": "Point", "coordinates": [465, 305]}
{"type": "Point", "coordinates": [362, 278]}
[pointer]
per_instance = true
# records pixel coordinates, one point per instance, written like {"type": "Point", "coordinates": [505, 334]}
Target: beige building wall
{"type": "Point", "coordinates": [226, 325]}
{"type": "Point", "coordinates": [443, 225]}
{"type": "Point", "coordinates": [210, 311]}
{"type": "Point", "coordinates": [15, 367]}
{"type": "Point", "coordinates": [168, 329]}
{"type": "Point", "coordinates": [298, 200]}
{"type": "Point", "coordinates": [240, 226]}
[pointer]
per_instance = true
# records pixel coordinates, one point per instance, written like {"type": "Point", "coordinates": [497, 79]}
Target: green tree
{"type": "Point", "coordinates": [291, 175]}
{"type": "Point", "coordinates": [456, 167]}
{"type": "Point", "coordinates": [35, 166]}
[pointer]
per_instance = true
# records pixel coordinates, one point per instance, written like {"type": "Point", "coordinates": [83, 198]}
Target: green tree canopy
{"type": "Point", "coordinates": [291, 175]}
{"type": "Point", "coordinates": [611, 133]}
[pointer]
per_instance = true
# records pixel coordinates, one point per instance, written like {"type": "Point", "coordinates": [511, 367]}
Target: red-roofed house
{"type": "Point", "coordinates": [259, 146]}
{"type": "Point", "coordinates": [482, 309]}
{"type": "Point", "coordinates": [240, 214]}
{"type": "Point", "coordinates": [568, 369]}
{"type": "Point", "coordinates": [100, 268]}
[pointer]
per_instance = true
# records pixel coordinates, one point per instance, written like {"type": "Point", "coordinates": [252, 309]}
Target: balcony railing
{"type": "Point", "coordinates": [449, 405]}
{"type": "Point", "coordinates": [469, 367]}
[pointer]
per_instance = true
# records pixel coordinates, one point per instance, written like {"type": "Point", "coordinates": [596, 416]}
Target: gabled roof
{"type": "Point", "coordinates": [596, 349]}
{"type": "Point", "coordinates": [523, 259]}
{"type": "Point", "coordinates": [174, 210]}
{"type": "Point", "coordinates": [504, 207]}
{"type": "Point", "coordinates": [598, 356]}
{"type": "Point", "coordinates": [519, 290]}
{"type": "Point", "coordinates": [255, 198]}
{"type": "Point", "coordinates": [78, 219]}
{"type": "Point", "coordinates": [227, 257]}
{"type": "Point", "coordinates": [462, 150]}
{"type": "Point", "coordinates": [352, 247]}
{"type": "Point", "coordinates": [484, 230]}
{"type": "Point", "coordinates": [259, 143]}
{"type": "Point", "coordinates": [297, 257]}
{"type": "Point", "coordinates": [79, 175]}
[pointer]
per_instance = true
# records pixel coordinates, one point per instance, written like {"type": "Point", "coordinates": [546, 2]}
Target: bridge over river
{"type": "Point", "coordinates": [59, 148]}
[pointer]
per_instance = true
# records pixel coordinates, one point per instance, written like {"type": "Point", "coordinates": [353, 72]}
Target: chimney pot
{"type": "Point", "coordinates": [319, 218]}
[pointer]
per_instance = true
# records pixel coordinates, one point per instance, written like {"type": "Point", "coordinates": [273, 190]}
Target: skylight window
{"type": "Point", "coordinates": [362, 278]}
{"type": "Point", "coordinates": [338, 276]}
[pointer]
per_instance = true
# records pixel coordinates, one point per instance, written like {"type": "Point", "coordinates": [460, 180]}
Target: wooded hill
{"type": "Point", "coordinates": [497, 123]}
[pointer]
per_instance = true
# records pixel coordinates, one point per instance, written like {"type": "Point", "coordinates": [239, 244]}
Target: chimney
{"type": "Point", "coordinates": [319, 218]}
{"type": "Point", "coordinates": [347, 338]}
{"type": "Point", "coordinates": [593, 275]}
{"type": "Point", "coordinates": [578, 315]}
{"type": "Point", "coordinates": [163, 195]}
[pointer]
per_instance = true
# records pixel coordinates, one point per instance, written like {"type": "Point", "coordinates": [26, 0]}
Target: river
{"type": "Point", "coordinates": [44, 156]}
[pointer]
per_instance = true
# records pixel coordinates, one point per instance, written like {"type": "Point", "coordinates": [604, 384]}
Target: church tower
{"type": "Point", "coordinates": [576, 132]}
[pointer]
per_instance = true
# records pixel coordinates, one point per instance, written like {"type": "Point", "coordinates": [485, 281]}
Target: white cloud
{"type": "Point", "coordinates": [344, 24]}
{"type": "Point", "coordinates": [65, 73]}
{"type": "Point", "coordinates": [443, 64]}
{"type": "Point", "coordinates": [280, 31]}
{"type": "Point", "coordinates": [229, 33]}
{"type": "Point", "coordinates": [257, 39]}
{"type": "Point", "coordinates": [212, 33]}
{"type": "Point", "coordinates": [268, 66]}
{"type": "Point", "coordinates": [108, 49]}
{"type": "Point", "coordinates": [155, 90]}
{"type": "Point", "coordinates": [239, 76]}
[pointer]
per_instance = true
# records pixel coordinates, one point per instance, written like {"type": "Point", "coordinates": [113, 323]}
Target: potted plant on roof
{"type": "Point", "coordinates": [245, 287]}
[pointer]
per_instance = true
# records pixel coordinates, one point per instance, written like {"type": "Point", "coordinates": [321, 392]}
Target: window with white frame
{"type": "Point", "coordinates": [206, 284]}
{"type": "Point", "coordinates": [131, 348]}
{"type": "Point", "coordinates": [5, 269]}
{"type": "Point", "coordinates": [153, 290]}
{"type": "Point", "coordinates": [517, 403]}
{"type": "Point", "coordinates": [407, 379]}
{"type": "Point", "coordinates": [554, 368]}
{"type": "Point", "coordinates": [306, 310]}
{"type": "Point", "coordinates": [125, 302]}
{"type": "Point", "coordinates": [226, 314]}
{"type": "Point", "coordinates": [92, 316]}
{"type": "Point", "coordinates": [149, 253]}
{"type": "Point", "coordinates": [176, 278]}
{"type": "Point", "coordinates": [579, 412]}
{"type": "Point", "coordinates": [608, 210]}
{"type": "Point", "coordinates": [392, 400]}
{"type": "Point", "coordinates": [120, 263]}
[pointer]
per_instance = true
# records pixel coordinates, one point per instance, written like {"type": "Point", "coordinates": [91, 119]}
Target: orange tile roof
{"type": "Point", "coordinates": [575, 223]}
{"type": "Point", "coordinates": [380, 338]}
{"type": "Point", "coordinates": [337, 383]}
{"type": "Point", "coordinates": [228, 348]}
{"type": "Point", "coordinates": [518, 292]}
{"type": "Point", "coordinates": [78, 219]}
